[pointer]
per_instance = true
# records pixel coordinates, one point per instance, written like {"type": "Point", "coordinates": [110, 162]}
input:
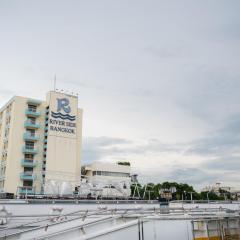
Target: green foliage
{"type": "Point", "coordinates": [183, 191]}
{"type": "Point", "coordinates": [210, 196]}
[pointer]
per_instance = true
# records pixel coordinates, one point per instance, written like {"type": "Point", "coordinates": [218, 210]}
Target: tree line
{"type": "Point", "coordinates": [182, 191]}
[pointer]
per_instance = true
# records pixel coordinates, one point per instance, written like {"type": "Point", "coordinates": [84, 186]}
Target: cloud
{"type": "Point", "coordinates": [227, 164]}
{"type": "Point", "coordinates": [98, 148]}
{"type": "Point", "coordinates": [194, 176]}
{"type": "Point", "coordinates": [6, 92]}
{"type": "Point", "coordinates": [85, 84]}
{"type": "Point", "coordinates": [165, 77]}
{"type": "Point", "coordinates": [210, 91]}
{"type": "Point", "coordinates": [223, 141]}
{"type": "Point", "coordinates": [200, 162]}
{"type": "Point", "coordinates": [164, 52]}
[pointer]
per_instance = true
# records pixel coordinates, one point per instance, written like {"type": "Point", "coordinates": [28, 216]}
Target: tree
{"type": "Point", "coordinates": [183, 191]}
{"type": "Point", "coordinates": [210, 196]}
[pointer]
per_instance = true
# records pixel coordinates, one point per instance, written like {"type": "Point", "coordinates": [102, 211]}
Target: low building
{"type": "Point", "coordinates": [217, 188]}
{"type": "Point", "coordinates": [107, 179]}
{"type": "Point", "coordinates": [235, 194]}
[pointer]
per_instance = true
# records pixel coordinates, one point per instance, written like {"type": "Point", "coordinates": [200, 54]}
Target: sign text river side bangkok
{"type": "Point", "coordinates": [66, 124]}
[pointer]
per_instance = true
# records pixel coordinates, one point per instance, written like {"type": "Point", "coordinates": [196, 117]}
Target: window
{"type": "Point", "coordinates": [28, 170]}
{"type": "Point", "coordinates": [31, 132]}
{"type": "Point", "coordinates": [31, 120]}
{"type": "Point", "coordinates": [110, 174]}
{"type": "Point", "coordinates": [29, 145]}
{"type": "Point", "coordinates": [28, 156]}
{"type": "Point", "coordinates": [27, 183]}
{"type": "Point", "coordinates": [32, 108]}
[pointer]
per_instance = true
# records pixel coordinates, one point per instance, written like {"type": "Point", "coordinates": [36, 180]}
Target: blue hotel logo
{"type": "Point", "coordinates": [63, 104]}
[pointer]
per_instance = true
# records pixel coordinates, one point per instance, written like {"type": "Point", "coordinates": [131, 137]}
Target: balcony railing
{"type": "Point", "coordinates": [26, 190]}
{"type": "Point", "coordinates": [31, 112]}
{"type": "Point", "coordinates": [28, 136]}
{"type": "Point", "coordinates": [2, 177]}
{"type": "Point", "coordinates": [8, 114]}
{"type": "Point", "coordinates": [29, 124]}
{"type": "Point", "coordinates": [29, 150]}
{"type": "Point", "coordinates": [28, 163]}
{"type": "Point", "coordinates": [4, 151]}
{"type": "Point", "coordinates": [27, 176]}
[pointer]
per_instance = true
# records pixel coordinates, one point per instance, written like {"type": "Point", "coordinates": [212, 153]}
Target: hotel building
{"type": "Point", "coordinates": [40, 144]}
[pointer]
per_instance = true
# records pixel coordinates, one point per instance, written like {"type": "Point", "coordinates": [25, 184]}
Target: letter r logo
{"type": "Point", "coordinates": [63, 104]}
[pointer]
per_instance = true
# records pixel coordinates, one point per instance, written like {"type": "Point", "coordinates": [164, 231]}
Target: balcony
{"type": "Point", "coordinates": [27, 176]}
{"type": "Point", "coordinates": [29, 150]}
{"type": "Point", "coordinates": [4, 152]}
{"type": "Point", "coordinates": [32, 113]}
{"type": "Point", "coordinates": [28, 163]}
{"type": "Point", "coordinates": [8, 114]}
{"type": "Point", "coordinates": [2, 163]}
{"type": "Point", "coordinates": [32, 125]}
{"type": "Point", "coordinates": [30, 137]}
{"type": "Point", "coordinates": [25, 190]}
{"type": "Point", "coordinates": [2, 177]}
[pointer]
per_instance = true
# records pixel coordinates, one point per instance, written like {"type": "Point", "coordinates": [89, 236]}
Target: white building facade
{"type": "Point", "coordinates": [107, 179]}
{"type": "Point", "coordinates": [40, 144]}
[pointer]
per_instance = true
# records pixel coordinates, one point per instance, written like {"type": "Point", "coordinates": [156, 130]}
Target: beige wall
{"type": "Point", "coordinates": [63, 148]}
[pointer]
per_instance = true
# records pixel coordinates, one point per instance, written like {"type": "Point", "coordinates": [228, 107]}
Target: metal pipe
{"type": "Point", "coordinates": [142, 231]}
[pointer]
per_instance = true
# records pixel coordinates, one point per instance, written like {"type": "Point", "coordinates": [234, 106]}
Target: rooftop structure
{"type": "Point", "coordinates": [111, 179]}
{"type": "Point", "coordinates": [150, 221]}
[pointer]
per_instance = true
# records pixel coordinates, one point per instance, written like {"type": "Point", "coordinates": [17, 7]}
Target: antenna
{"type": "Point", "coordinates": [55, 79]}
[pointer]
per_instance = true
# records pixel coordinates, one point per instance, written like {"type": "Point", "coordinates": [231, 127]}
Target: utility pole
{"type": "Point", "coordinates": [191, 194]}
{"type": "Point", "coordinates": [208, 197]}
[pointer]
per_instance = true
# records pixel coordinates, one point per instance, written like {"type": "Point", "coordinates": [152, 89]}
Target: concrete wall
{"type": "Point", "coordinates": [64, 140]}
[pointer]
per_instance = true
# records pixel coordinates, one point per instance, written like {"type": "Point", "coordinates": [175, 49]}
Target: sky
{"type": "Point", "coordinates": [158, 80]}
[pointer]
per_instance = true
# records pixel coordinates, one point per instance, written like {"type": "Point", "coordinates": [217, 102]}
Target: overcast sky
{"type": "Point", "coordinates": [159, 81]}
